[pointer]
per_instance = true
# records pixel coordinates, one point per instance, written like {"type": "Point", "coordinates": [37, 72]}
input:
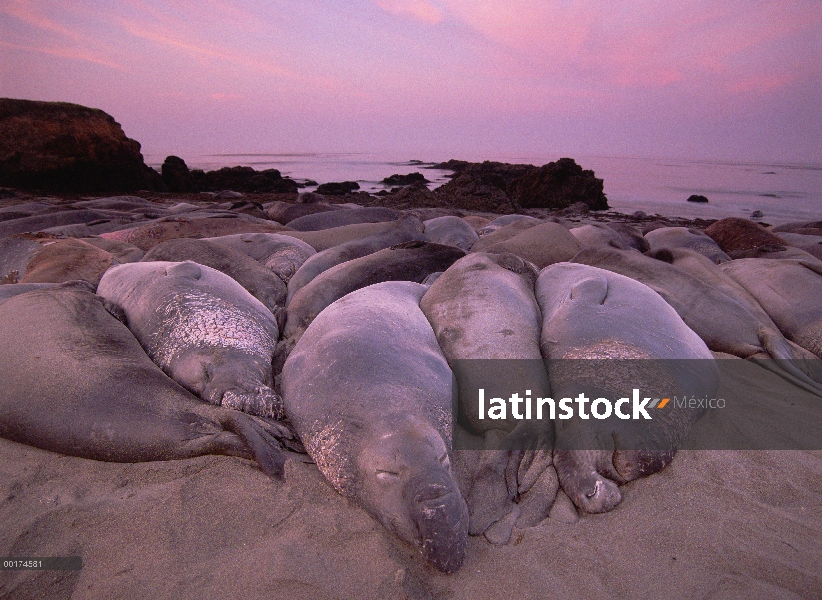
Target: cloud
{"type": "Point", "coordinates": [417, 9]}
{"type": "Point", "coordinates": [65, 53]}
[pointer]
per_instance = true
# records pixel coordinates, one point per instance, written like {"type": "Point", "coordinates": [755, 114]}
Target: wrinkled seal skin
{"type": "Point", "coordinates": [590, 313]}
{"type": "Point", "coordinates": [76, 381]}
{"type": "Point", "coordinates": [407, 229]}
{"type": "Point", "coordinates": [369, 393]}
{"type": "Point", "coordinates": [202, 328]}
{"type": "Point", "coordinates": [410, 261]}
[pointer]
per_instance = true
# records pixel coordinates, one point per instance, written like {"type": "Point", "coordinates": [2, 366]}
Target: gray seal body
{"type": "Point", "coordinates": [77, 382]}
{"type": "Point", "coordinates": [369, 393]}
{"type": "Point", "coordinates": [590, 317]}
{"type": "Point", "coordinates": [202, 328]}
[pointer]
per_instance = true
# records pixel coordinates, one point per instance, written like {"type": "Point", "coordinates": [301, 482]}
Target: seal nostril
{"type": "Point", "coordinates": [432, 492]}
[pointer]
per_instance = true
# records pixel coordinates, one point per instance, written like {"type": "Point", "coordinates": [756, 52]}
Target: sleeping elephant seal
{"type": "Point", "coordinates": [261, 283]}
{"type": "Point", "coordinates": [280, 254]}
{"type": "Point", "coordinates": [789, 291]}
{"type": "Point", "coordinates": [75, 381]}
{"type": "Point", "coordinates": [336, 218]}
{"type": "Point", "coordinates": [606, 334]}
{"type": "Point", "coordinates": [407, 229]}
{"type": "Point", "coordinates": [599, 234]}
{"type": "Point", "coordinates": [68, 260]}
{"type": "Point", "coordinates": [487, 323]}
{"type": "Point", "coordinates": [686, 237]}
{"type": "Point", "coordinates": [451, 231]}
{"type": "Point", "coordinates": [369, 393]}
{"type": "Point", "coordinates": [202, 328]}
{"type": "Point", "coordinates": [410, 261]}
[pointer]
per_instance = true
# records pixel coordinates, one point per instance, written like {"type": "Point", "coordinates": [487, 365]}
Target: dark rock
{"type": "Point", "coordinates": [405, 179]}
{"type": "Point", "coordinates": [338, 188]}
{"type": "Point", "coordinates": [482, 187]}
{"type": "Point", "coordinates": [244, 179]}
{"type": "Point", "coordinates": [639, 215]}
{"type": "Point", "coordinates": [734, 234]}
{"type": "Point", "coordinates": [757, 214]}
{"type": "Point", "coordinates": [64, 147]}
{"type": "Point", "coordinates": [697, 198]}
{"type": "Point", "coordinates": [559, 185]}
{"type": "Point", "coordinates": [451, 165]}
{"type": "Point", "coordinates": [176, 175]}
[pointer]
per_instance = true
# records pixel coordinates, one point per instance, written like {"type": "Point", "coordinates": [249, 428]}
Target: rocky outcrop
{"type": "Point", "coordinates": [176, 175]}
{"type": "Point", "coordinates": [502, 187]}
{"type": "Point", "coordinates": [405, 179]}
{"type": "Point", "coordinates": [62, 147]}
{"type": "Point", "coordinates": [243, 179]}
{"type": "Point", "coordinates": [559, 185]}
{"type": "Point", "coordinates": [697, 198]}
{"type": "Point", "coordinates": [338, 188]}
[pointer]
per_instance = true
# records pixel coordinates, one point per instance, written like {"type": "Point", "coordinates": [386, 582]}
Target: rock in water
{"type": "Point", "coordinates": [369, 393]}
{"type": "Point", "coordinates": [202, 328]}
{"type": "Point", "coordinates": [64, 147]}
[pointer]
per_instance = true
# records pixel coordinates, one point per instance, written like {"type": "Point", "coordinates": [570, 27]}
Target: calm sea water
{"type": "Point", "coordinates": [782, 191]}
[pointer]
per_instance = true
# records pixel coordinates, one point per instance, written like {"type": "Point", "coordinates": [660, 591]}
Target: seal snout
{"type": "Point", "coordinates": [441, 516]}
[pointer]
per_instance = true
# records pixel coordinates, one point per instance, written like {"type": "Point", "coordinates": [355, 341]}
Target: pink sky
{"type": "Point", "coordinates": [432, 79]}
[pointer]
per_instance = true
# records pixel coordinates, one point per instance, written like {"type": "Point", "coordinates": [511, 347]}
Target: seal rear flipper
{"type": "Point", "coordinates": [265, 449]}
{"type": "Point", "coordinates": [790, 361]}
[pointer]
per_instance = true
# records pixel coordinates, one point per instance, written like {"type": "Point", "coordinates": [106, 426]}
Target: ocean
{"type": "Point", "coordinates": [783, 192]}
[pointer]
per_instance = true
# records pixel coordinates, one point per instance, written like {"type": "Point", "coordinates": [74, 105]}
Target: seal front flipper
{"type": "Point", "coordinates": [266, 450]}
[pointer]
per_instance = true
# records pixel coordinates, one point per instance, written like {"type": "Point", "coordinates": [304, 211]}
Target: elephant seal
{"type": "Point", "coordinates": [451, 231]}
{"type": "Point", "coordinates": [777, 253]}
{"type": "Point", "coordinates": [686, 237]}
{"type": "Point", "coordinates": [812, 244]}
{"type": "Point", "coordinates": [504, 221]}
{"type": "Point", "coordinates": [202, 328]}
{"type": "Point", "coordinates": [726, 321]}
{"type": "Point", "coordinates": [594, 322]}
{"type": "Point", "coordinates": [121, 251]}
{"type": "Point", "coordinates": [369, 393]}
{"type": "Point", "coordinates": [328, 238]}
{"type": "Point", "coordinates": [487, 323]}
{"type": "Point", "coordinates": [337, 218]}
{"type": "Point", "coordinates": [68, 260]}
{"type": "Point", "coordinates": [261, 283]}
{"type": "Point", "coordinates": [284, 212]}
{"type": "Point", "coordinates": [543, 244]}
{"type": "Point", "coordinates": [598, 234]}
{"type": "Point", "coordinates": [75, 381]}
{"type": "Point", "coordinates": [789, 291]}
{"type": "Point", "coordinates": [281, 254]}
{"type": "Point", "coordinates": [476, 222]}
{"type": "Point", "coordinates": [734, 234]}
{"type": "Point", "coordinates": [489, 237]}
{"type": "Point", "coordinates": [483, 307]}
{"type": "Point", "coordinates": [149, 235]}
{"type": "Point", "coordinates": [407, 229]}
{"type": "Point", "coordinates": [409, 261]}
{"type": "Point", "coordinates": [10, 290]}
